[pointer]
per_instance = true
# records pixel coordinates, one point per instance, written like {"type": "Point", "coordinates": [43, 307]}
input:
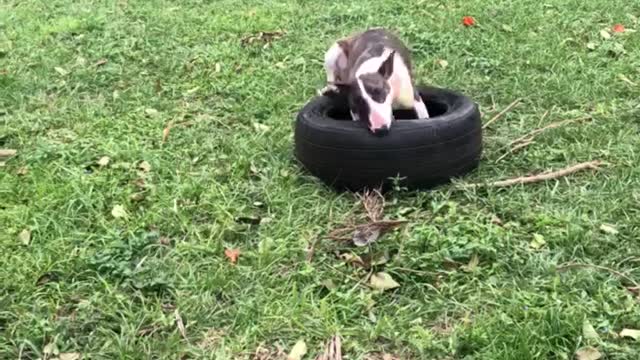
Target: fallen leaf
{"type": "Point", "coordinates": [25, 237]}
{"type": "Point", "coordinates": [101, 62]}
{"type": "Point", "coordinates": [232, 254]}
{"type": "Point", "coordinates": [352, 259]}
{"type": "Point", "coordinates": [468, 21]}
{"type": "Point", "coordinates": [589, 333]}
{"type": "Point", "coordinates": [70, 356]}
{"type": "Point", "coordinates": [165, 133]}
{"type": "Point", "coordinates": [443, 63]}
{"type": "Point", "coordinates": [144, 166]}
{"type": "Point", "coordinates": [507, 28]}
{"type": "Point", "coordinates": [496, 220]}
{"type": "Point", "coordinates": [218, 67]}
{"type": "Point", "coordinates": [329, 284]}
{"type": "Point", "coordinates": [261, 127]}
{"type": "Point", "coordinates": [180, 324]}
{"type": "Point", "coordinates": [605, 34]}
{"type": "Point", "coordinates": [537, 242]}
{"type": "Point", "coordinates": [366, 235]}
{"type": "Point", "coordinates": [631, 333]}
{"type": "Point", "coordinates": [50, 349]}
{"type": "Point", "coordinates": [151, 112]}
{"type": "Point", "coordinates": [383, 281]}
{"type": "Point", "coordinates": [588, 353]}
{"type": "Point", "coordinates": [137, 196]}
{"type": "Point", "coordinates": [61, 71]}
{"type": "Point", "coordinates": [618, 28]}
{"type": "Point", "coordinates": [473, 263]}
{"type": "Point", "coordinates": [7, 153]}
{"type": "Point", "coordinates": [22, 171]}
{"type": "Point", "coordinates": [104, 161]}
{"type": "Point", "coordinates": [118, 211]}
{"type": "Point", "coordinates": [389, 357]}
{"type": "Point", "coordinates": [592, 45]}
{"type": "Point", "coordinates": [609, 229]}
{"type": "Point", "coordinates": [298, 350]}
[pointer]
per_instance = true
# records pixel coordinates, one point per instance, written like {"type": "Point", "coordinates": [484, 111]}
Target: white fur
{"type": "Point", "coordinates": [401, 96]}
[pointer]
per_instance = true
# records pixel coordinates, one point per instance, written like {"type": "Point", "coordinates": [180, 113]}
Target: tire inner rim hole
{"type": "Point", "coordinates": [435, 107]}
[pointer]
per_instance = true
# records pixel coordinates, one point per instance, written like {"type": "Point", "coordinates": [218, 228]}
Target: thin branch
{"type": "Point", "coordinates": [593, 165]}
{"type": "Point", "coordinates": [507, 109]}
{"type": "Point", "coordinates": [534, 133]}
{"type": "Point", "coordinates": [516, 148]}
{"type": "Point", "coordinates": [612, 271]}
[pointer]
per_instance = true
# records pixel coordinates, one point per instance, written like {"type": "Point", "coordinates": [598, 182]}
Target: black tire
{"type": "Point", "coordinates": [421, 153]}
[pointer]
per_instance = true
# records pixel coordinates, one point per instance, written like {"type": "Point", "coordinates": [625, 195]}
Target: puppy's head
{"type": "Point", "coordinates": [370, 97]}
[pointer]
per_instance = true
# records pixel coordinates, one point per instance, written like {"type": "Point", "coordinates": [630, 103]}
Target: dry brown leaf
{"type": "Point", "coordinates": [25, 237]}
{"type": "Point", "coordinates": [383, 281]}
{"type": "Point", "coordinates": [61, 71]}
{"type": "Point", "coordinates": [70, 356]}
{"type": "Point", "coordinates": [352, 259]}
{"type": "Point", "coordinates": [589, 333]}
{"type": "Point", "coordinates": [165, 133]}
{"type": "Point", "coordinates": [151, 112]}
{"type": "Point", "coordinates": [333, 349]}
{"type": "Point", "coordinates": [232, 254]}
{"type": "Point", "coordinates": [588, 353]}
{"type": "Point", "coordinates": [7, 153]}
{"type": "Point", "coordinates": [473, 263]}
{"type": "Point", "coordinates": [631, 333]}
{"type": "Point", "coordinates": [609, 229]}
{"type": "Point", "coordinates": [298, 350]}
{"type": "Point", "coordinates": [22, 171]}
{"type": "Point", "coordinates": [118, 212]}
{"type": "Point", "coordinates": [144, 166]}
{"type": "Point", "coordinates": [104, 161]}
{"type": "Point", "coordinates": [443, 63]}
{"type": "Point", "coordinates": [180, 324]}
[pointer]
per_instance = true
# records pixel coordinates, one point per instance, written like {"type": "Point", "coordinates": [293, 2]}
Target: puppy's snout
{"type": "Point", "coordinates": [382, 131]}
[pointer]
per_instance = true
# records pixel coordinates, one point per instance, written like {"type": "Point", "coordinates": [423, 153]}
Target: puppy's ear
{"type": "Point", "coordinates": [386, 69]}
{"type": "Point", "coordinates": [345, 45]}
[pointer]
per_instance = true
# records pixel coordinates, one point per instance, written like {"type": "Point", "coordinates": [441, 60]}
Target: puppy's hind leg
{"type": "Point", "coordinates": [419, 106]}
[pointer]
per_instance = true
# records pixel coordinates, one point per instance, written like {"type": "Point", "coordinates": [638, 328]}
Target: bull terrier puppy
{"type": "Point", "coordinates": [373, 69]}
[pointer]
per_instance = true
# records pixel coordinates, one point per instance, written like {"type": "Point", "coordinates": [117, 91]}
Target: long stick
{"type": "Point", "coordinates": [554, 125]}
{"type": "Point", "coordinates": [615, 272]}
{"type": "Point", "coordinates": [507, 109]}
{"type": "Point", "coordinates": [594, 165]}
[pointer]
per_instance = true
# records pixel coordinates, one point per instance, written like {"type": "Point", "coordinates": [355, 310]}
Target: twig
{"type": "Point", "coordinates": [373, 203]}
{"type": "Point", "coordinates": [612, 271]}
{"type": "Point", "coordinates": [180, 325]}
{"type": "Point", "coordinates": [507, 109]}
{"type": "Point", "coordinates": [593, 165]}
{"type": "Point", "coordinates": [515, 148]}
{"type": "Point", "coordinates": [534, 133]}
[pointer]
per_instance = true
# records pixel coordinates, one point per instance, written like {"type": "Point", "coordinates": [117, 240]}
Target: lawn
{"type": "Point", "coordinates": [151, 136]}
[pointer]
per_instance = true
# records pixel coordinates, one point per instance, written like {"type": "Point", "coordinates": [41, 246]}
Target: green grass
{"type": "Point", "coordinates": [108, 287]}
